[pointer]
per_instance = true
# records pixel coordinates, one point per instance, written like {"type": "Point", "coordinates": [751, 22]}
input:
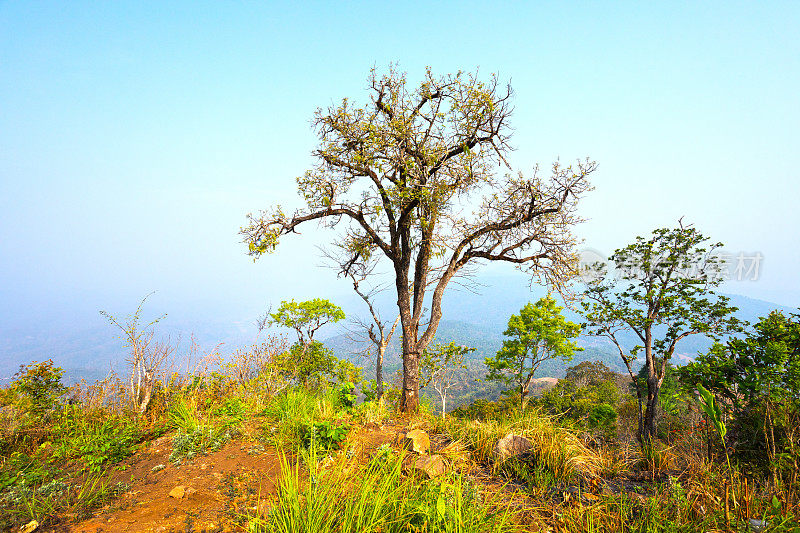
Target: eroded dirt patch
{"type": "Point", "coordinates": [219, 489]}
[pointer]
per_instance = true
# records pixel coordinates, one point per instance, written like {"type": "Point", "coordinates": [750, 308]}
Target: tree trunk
{"type": "Point", "coordinates": [524, 388]}
{"type": "Point", "coordinates": [409, 403]}
{"type": "Point", "coordinates": [379, 372]}
{"type": "Point", "coordinates": [648, 432]}
{"type": "Point", "coordinates": [148, 392]}
{"type": "Point", "coordinates": [409, 400]}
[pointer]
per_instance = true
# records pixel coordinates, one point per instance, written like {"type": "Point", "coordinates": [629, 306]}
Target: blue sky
{"type": "Point", "coordinates": [135, 137]}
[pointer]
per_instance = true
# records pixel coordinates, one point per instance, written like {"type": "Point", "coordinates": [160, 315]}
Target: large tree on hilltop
{"type": "Point", "coordinates": [412, 177]}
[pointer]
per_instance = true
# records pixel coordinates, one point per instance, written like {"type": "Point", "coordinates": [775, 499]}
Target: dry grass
{"type": "Point", "coordinates": [556, 448]}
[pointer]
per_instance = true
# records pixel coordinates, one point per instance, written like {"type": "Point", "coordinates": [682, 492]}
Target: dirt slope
{"type": "Point", "coordinates": [217, 487]}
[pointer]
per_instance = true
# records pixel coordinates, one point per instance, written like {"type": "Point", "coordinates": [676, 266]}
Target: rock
{"type": "Point", "coordinates": [157, 468]}
{"type": "Point", "coordinates": [189, 491]}
{"type": "Point", "coordinates": [757, 525]}
{"type": "Point", "coordinates": [417, 441]}
{"type": "Point", "coordinates": [510, 446]}
{"type": "Point", "coordinates": [432, 465]}
{"type": "Point", "coordinates": [638, 497]}
{"type": "Point", "coordinates": [29, 527]}
{"type": "Point", "coordinates": [263, 508]}
{"type": "Point", "coordinates": [178, 492]}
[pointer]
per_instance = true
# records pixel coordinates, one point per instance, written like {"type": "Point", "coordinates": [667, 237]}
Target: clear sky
{"type": "Point", "coordinates": [136, 136]}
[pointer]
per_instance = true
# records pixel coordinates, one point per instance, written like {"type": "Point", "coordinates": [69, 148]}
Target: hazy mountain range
{"type": "Point", "coordinates": [475, 318]}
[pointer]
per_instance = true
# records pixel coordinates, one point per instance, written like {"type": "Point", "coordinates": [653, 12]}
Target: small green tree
{"type": "Point", "coordinates": [308, 360]}
{"type": "Point", "coordinates": [539, 333]}
{"type": "Point", "coordinates": [662, 295]}
{"type": "Point", "coordinates": [40, 385]}
{"type": "Point", "coordinates": [306, 318]}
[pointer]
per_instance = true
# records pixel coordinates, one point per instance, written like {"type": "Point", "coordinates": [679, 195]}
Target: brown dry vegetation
{"type": "Point", "coordinates": [255, 453]}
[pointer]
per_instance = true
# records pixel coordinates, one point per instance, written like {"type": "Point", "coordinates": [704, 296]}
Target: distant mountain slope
{"type": "Point", "coordinates": [474, 318]}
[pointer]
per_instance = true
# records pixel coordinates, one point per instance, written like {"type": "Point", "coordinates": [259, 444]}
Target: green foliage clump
{"type": "Point", "coordinates": [587, 398]}
{"type": "Point", "coordinates": [539, 333]}
{"type": "Point", "coordinates": [755, 380]}
{"type": "Point", "coordinates": [96, 440]}
{"type": "Point", "coordinates": [232, 412]}
{"type": "Point", "coordinates": [107, 443]}
{"type": "Point", "coordinates": [198, 434]}
{"type": "Point", "coordinates": [347, 396]}
{"type": "Point", "coordinates": [40, 387]}
{"type": "Point", "coordinates": [204, 439]}
{"type": "Point", "coordinates": [325, 435]}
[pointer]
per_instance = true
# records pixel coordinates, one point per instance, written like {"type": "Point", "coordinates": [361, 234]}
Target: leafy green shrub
{"type": "Point", "coordinates": [602, 416]}
{"type": "Point", "coordinates": [39, 384]}
{"type": "Point", "coordinates": [483, 409]}
{"type": "Point", "coordinates": [22, 470]}
{"type": "Point", "coordinates": [109, 442]}
{"type": "Point", "coordinates": [325, 435]}
{"type": "Point", "coordinates": [346, 391]}
{"type": "Point", "coordinates": [232, 411]}
{"type": "Point", "coordinates": [95, 441]}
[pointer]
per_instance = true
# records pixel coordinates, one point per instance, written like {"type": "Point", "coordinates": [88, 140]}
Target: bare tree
{"type": "Point", "coordinates": [379, 332]}
{"type": "Point", "coordinates": [412, 178]}
{"type": "Point", "coordinates": [448, 370]}
{"type": "Point", "coordinates": [147, 357]}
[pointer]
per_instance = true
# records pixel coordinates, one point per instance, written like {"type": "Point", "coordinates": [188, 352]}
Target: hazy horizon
{"type": "Point", "coordinates": [135, 137]}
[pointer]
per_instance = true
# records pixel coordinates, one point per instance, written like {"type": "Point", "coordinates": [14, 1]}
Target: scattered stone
{"type": "Point", "coordinates": [263, 509]}
{"type": "Point", "coordinates": [256, 450]}
{"type": "Point", "coordinates": [510, 446]}
{"type": "Point", "coordinates": [417, 441]}
{"type": "Point", "coordinates": [178, 492]}
{"type": "Point", "coordinates": [29, 527]}
{"type": "Point", "coordinates": [638, 497]}
{"type": "Point", "coordinates": [158, 468]}
{"type": "Point", "coordinates": [432, 465]}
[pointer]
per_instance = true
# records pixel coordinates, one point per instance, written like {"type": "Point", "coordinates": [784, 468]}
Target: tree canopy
{"type": "Point", "coordinates": [764, 365]}
{"type": "Point", "coordinates": [539, 333]}
{"type": "Point", "coordinates": [306, 317]}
